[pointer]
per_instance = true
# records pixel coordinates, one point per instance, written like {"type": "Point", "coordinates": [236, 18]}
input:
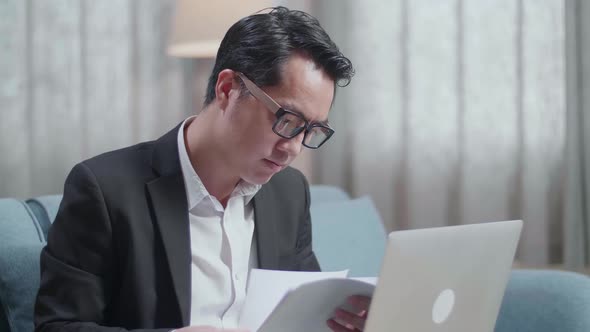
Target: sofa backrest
{"type": "Point", "coordinates": [545, 301]}
{"type": "Point", "coordinates": [18, 224]}
{"type": "Point", "coordinates": [348, 234]}
{"type": "Point", "coordinates": [45, 209]}
{"type": "Point", "coordinates": [21, 240]}
{"type": "Point", "coordinates": [321, 193]}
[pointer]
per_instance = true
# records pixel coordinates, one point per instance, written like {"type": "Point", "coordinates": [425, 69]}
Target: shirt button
{"type": "Point", "coordinates": [236, 276]}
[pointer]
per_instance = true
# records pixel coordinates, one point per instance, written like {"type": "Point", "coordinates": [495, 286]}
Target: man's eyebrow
{"type": "Point", "coordinates": [292, 108]}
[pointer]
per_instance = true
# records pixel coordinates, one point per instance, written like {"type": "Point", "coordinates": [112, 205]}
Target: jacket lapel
{"type": "Point", "coordinates": [265, 229]}
{"type": "Point", "coordinates": [170, 208]}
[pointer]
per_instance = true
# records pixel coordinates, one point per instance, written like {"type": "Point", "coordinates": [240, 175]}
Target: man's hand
{"type": "Point", "coordinates": [346, 321]}
{"type": "Point", "coordinates": [207, 329]}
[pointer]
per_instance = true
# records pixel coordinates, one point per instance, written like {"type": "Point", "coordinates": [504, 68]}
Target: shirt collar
{"type": "Point", "coordinates": [195, 189]}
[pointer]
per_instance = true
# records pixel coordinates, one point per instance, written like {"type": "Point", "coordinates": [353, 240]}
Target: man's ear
{"type": "Point", "coordinates": [226, 85]}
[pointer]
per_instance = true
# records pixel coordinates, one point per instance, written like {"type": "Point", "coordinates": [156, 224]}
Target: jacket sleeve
{"type": "Point", "coordinates": [77, 262]}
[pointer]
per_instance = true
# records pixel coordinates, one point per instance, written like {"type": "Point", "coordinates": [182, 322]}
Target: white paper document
{"type": "Point", "coordinates": [284, 301]}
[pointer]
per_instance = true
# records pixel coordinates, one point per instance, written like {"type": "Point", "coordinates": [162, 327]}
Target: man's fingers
{"type": "Point", "coordinates": [345, 321]}
{"type": "Point", "coordinates": [337, 327]}
{"type": "Point", "coordinates": [353, 320]}
{"type": "Point", "coordinates": [360, 302]}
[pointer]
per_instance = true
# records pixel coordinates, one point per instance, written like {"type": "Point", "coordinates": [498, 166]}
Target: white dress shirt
{"type": "Point", "coordinates": [222, 247]}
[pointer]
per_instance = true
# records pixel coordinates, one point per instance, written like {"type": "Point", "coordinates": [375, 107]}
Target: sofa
{"type": "Point", "coordinates": [348, 234]}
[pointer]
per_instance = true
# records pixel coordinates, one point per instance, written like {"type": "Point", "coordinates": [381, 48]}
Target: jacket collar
{"type": "Point", "coordinates": [169, 207]}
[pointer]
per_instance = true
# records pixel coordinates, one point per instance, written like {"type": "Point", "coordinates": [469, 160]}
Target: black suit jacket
{"type": "Point", "coordinates": [118, 254]}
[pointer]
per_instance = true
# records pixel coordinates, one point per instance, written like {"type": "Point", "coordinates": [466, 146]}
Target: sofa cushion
{"type": "Point", "coordinates": [18, 224]}
{"type": "Point", "coordinates": [545, 301]}
{"type": "Point", "coordinates": [348, 234]}
{"type": "Point", "coordinates": [45, 208]}
{"type": "Point", "coordinates": [19, 282]}
{"type": "Point", "coordinates": [324, 193]}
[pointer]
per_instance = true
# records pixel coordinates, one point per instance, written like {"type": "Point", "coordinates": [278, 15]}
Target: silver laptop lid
{"type": "Point", "coordinates": [444, 279]}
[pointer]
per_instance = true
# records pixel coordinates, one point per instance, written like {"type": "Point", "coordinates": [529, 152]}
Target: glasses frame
{"type": "Point", "coordinates": [279, 112]}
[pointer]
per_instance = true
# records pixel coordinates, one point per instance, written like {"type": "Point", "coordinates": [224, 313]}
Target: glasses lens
{"type": "Point", "coordinates": [317, 136]}
{"type": "Point", "coordinates": [289, 125]}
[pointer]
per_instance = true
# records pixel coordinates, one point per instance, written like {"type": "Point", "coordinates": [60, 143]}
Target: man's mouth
{"type": "Point", "coordinates": [275, 166]}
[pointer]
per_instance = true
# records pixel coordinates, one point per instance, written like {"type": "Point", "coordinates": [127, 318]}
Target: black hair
{"type": "Point", "coordinates": [259, 44]}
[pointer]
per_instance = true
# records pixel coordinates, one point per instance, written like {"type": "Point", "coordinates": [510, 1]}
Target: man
{"type": "Point", "coordinates": [162, 235]}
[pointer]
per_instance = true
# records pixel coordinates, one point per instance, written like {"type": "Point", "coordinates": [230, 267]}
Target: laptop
{"type": "Point", "coordinates": [444, 279]}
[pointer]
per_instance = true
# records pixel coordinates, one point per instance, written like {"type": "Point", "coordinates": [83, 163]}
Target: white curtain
{"type": "Point", "coordinates": [81, 77]}
{"type": "Point", "coordinates": [577, 194]}
{"type": "Point", "coordinates": [456, 115]}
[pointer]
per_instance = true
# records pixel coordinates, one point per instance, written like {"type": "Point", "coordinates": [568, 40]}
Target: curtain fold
{"type": "Point", "coordinates": [577, 154]}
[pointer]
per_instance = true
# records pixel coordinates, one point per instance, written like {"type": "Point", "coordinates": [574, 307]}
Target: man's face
{"type": "Point", "coordinates": [253, 149]}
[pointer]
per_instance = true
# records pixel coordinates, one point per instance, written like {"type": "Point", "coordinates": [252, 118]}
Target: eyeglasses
{"type": "Point", "coordinates": [288, 123]}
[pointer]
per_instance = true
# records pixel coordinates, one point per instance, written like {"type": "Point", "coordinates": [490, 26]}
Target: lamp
{"type": "Point", "coordinates": [199, 25]}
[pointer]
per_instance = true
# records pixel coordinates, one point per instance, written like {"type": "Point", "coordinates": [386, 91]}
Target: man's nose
{"type": "Point", "coordinates": [293, 145]}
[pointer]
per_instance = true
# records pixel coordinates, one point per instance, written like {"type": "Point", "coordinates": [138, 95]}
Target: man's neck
{"type": "Point", "coordinates": [214, 172]}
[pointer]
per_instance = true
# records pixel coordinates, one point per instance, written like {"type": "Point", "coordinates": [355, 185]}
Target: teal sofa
{"type": "Point", "coordinates": [348, 234]}
{"type": "Point", "coordinates": [23, 230]}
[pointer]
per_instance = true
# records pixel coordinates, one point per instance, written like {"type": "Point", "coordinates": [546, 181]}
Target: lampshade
{"type": "Point", "coordinates": [199, 25]}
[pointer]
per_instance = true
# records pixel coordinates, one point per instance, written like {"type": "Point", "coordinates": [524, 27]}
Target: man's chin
{"type": "Point", "coordinates": [259, 178]}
